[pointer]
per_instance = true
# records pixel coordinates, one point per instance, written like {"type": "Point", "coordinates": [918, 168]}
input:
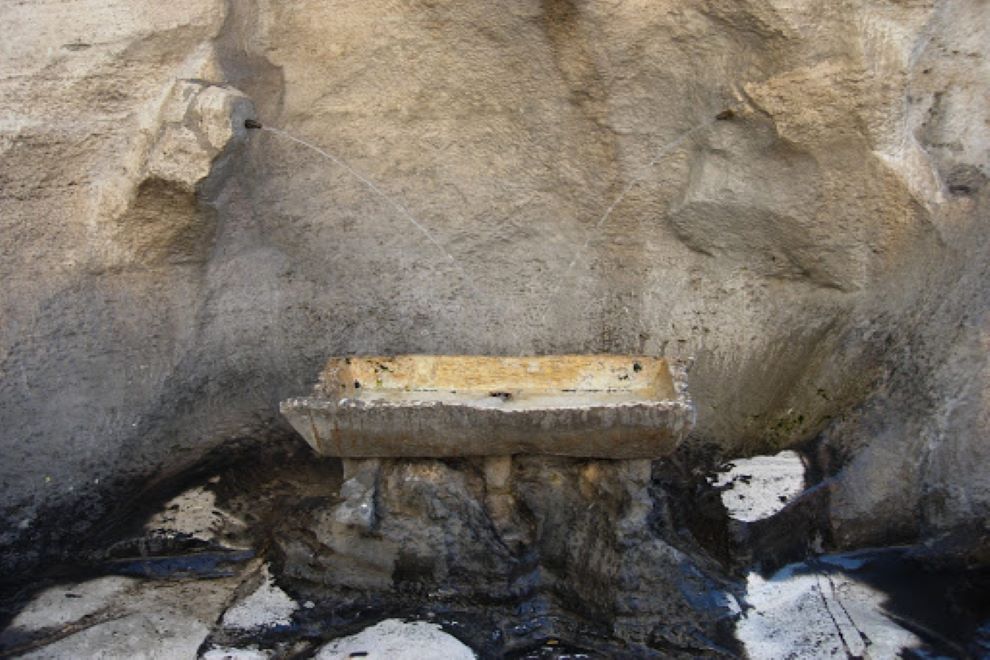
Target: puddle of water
{"type": "Point", "coordinates": [118, 618]}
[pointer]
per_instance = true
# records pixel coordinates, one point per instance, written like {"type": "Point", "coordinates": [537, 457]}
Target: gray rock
{"type": "Point", "coordinates": [568, 540]}
{"type": "Point", "coordinates": [167, 279]}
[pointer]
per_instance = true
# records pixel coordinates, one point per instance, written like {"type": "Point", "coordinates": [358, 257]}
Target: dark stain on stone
{"type": "Point", "coordinates": [965, 180]}
{"type": "Point", "coordinates": [575, 59]}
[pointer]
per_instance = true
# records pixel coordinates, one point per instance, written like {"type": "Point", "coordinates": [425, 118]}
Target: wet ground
{"type": "Point", "coordinates": [194, 575]}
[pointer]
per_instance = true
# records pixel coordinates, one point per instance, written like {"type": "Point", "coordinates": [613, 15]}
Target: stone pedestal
{"type": "Point", "coordinates": [557, 545]}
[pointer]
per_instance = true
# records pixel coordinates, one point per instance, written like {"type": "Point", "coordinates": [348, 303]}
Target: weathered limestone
{"type": "Point", "coordinates": [423, 406]}
{"type": "Point", "coordinates": [822, 255]}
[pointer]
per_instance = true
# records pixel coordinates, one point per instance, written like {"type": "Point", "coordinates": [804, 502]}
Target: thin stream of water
{"type": "Point", "coordinates": [663, 151]}
{"type": "Point", "coordinates": [401, 210]}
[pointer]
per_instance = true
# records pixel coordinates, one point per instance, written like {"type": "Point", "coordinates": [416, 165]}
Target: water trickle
{"type": "Point", "coordinates": [368, 183]}
{"type": "Point", "coordinates": [562, 280]}
{"type": "Point", "coordinates": [661, 152]}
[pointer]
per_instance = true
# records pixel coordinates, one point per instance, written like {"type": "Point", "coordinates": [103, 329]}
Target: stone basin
{"type": "Point", "coordinates": [436, 406]}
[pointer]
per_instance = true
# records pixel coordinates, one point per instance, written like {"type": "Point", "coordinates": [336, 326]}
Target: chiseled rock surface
{"type": "Point", "coordinates": [168, 278]}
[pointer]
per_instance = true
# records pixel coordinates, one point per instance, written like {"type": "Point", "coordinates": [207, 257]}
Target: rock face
{"type": "Point", "coordinates": [822, 254]}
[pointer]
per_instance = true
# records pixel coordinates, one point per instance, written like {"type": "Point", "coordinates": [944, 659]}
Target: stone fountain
{"type": "Point", "coordinates": [523, 483]}
{"type": "Point", "coordinates": [423, 406]}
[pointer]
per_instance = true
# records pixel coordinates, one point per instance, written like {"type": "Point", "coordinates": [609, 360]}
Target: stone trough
{"type": "Point", "coordinates": [428, 406]}
{"type": "Point", "coordinates": [520, 481]}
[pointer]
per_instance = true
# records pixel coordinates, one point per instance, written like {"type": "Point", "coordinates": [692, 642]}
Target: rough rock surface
{"type": "Point", "coordinates": [822, 254]}
{"type": "Point", "coordinates": [589, 580]}
{"type": "Point", "coordinates": [557, 546]}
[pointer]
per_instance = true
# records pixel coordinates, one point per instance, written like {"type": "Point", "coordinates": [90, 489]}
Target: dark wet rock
{"type": "Point", "coordinates": [560, 542]}
{"type": "Point", "coordinates": [219, 562]}
{"type": "Point", "coordinates": [798, 531]}
{"type": "Point", "coordinates": [966, 547]}
{"type": "Point", "coordinates": [965, 180]}
{"type": "Point", "coordinates": [526, 558]}
{"type": "Point", "coordinates": [946, 607]}
{"type": "Point", "coordinates": [689, 507]}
